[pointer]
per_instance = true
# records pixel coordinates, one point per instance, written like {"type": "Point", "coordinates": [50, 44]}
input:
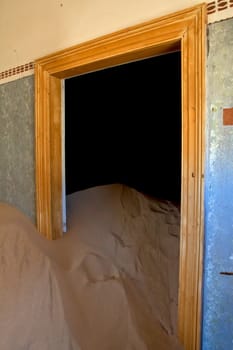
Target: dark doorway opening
{"type": "Point", "coordinates": [123, 125]}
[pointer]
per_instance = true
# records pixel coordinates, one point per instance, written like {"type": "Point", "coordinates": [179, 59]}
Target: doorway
{"type": "Point", "coordinates": [183, 31]}
{"type": "Point", "coordinates": [123, 133]}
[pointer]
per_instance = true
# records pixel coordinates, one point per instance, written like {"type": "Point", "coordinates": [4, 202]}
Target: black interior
{"type": "Point", "coordinates": [123, 125]}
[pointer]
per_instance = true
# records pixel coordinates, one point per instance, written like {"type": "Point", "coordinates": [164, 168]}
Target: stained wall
{"type": "Point", "coordinates": [218, 301]}
{"type": "Point", "coordinates": [17, 180]}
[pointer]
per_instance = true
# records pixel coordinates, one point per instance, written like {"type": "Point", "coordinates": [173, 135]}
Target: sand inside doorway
{"type": "Point", "coordinates": [110, 283]}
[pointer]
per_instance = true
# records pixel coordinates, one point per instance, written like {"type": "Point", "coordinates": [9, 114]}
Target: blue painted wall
{"type": "Point", "coordinates": [218, 289]}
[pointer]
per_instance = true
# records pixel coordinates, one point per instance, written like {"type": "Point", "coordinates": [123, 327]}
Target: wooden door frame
{"type": "Point", "coordinates": [185, 31]}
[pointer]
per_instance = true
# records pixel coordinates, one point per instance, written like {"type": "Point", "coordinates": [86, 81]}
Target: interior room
{"type": "Point", "coordinates": [110, 282]}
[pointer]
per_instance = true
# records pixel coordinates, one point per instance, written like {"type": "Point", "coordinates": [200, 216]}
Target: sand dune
{"type": "Point", "coordinates": [111, 283]}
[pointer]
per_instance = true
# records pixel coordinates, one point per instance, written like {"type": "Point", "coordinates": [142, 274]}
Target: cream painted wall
{"type": "Point", "coordinates": [30, 29]}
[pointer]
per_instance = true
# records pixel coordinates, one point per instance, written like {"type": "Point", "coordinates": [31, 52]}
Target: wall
{"type": "Point", "coordinates": [31, 29]}
{"type": "Point", "coordinates": [218, 301]}
{"type": "Point", "coordinates": [17, 144]}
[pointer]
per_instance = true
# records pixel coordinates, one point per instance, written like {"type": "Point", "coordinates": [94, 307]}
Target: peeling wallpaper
{"type": "Point", "coordinates": [17, 144]}
{"type": "Point", "coordinates": [218, 297]}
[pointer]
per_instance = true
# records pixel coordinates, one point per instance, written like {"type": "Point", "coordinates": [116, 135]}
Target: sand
{"type": "Point", "coordinates": [111, 283]}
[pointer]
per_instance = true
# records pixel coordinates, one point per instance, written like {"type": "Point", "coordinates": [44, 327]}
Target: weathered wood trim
{"type": "Point", "coordinates": [184, 31]}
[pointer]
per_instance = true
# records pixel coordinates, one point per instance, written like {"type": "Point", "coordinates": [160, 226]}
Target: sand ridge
{"type": "Point", "coordinates": [110, 283]}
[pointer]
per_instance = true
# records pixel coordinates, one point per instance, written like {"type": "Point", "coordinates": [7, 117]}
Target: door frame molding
{"type": "Point", "coordinates": [185, 31]}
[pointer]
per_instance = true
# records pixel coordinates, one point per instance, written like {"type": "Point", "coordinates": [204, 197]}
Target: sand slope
{"type": "Point", "coordinates": [111, 283]}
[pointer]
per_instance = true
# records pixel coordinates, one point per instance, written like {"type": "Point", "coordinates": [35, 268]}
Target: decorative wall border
{"type": "Point", "coordinates": [17, 72]}
{"type": "Point", "coordinates": [217, 10]}
{"type": "Point", "coordinates": [219, 5]}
